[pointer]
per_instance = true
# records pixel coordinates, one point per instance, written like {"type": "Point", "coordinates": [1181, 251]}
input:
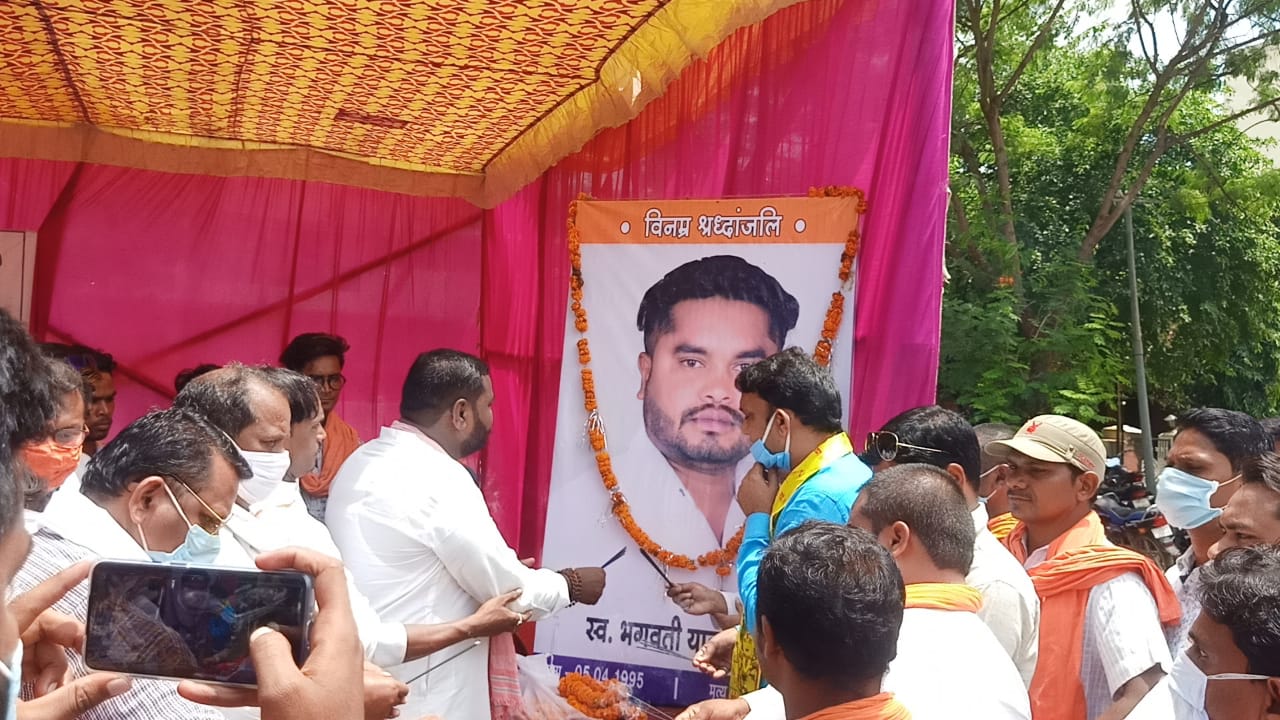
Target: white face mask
{"type": "Point", "coordinates": [269, 469]}
{"type": "Point", "coordinates": [1189, 683]}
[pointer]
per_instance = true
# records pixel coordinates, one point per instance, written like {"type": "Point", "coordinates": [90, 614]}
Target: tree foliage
{"type": "Point", "coordinates": [1058, 129]}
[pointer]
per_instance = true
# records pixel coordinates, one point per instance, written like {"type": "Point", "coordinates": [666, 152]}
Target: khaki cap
{"type": "Point", "coordinates": [1054, 438]}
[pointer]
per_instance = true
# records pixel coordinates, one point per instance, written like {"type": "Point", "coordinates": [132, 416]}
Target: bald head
{"type": "Point", "coordinates": [244, 403]}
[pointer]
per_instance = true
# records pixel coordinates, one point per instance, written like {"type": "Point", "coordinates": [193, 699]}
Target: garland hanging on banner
{"type": "Point", "coordinates": [722, 559]}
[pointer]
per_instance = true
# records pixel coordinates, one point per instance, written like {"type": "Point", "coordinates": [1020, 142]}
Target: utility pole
{"type": "Point", "coordinates": [1139, 362]}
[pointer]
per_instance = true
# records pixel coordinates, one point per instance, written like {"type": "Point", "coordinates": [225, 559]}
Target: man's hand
{"type": "Point", "coordinates": [716, 655]}
{"type": "Point", "coordinates": [757, 491]}
{"type": "Point", "coordinates": [592, 580]}
{"type": "Point", "coordinates": [383, 694]}
{"type": "Point", "coordinates": [717, 710]}
{"type": "Point", "coordinates": [698, 599]}
{"type": "Point", "coordinates": [494, 618]}
{"type": "Point", "coordinates": [329, 685]}
{"type": "Point", "coordinates": [46, 635]}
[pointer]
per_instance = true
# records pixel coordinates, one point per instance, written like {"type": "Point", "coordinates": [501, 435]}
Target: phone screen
{"type": "Point", "coordinates": [188, 621]}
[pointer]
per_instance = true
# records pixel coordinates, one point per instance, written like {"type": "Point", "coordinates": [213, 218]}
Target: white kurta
{"type": "Point", "coordinates": [1010, 606]}
{"type": "Point", "coordinates": [949, 667]}
{"type": "Point", "coordinates": [281, 520]}
{"type": "Point", "coordinates": [417, 536]}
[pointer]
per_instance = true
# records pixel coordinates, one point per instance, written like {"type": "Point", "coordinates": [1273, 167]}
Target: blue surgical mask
{"type": "Point", "coordinates": [12, 671]}
{"type": "Point", "coordinates": [1183, 498]}
{"type": "Point", "coordinates": [772, 460]}
{"type": "Point", "coordinates": [199, 547]}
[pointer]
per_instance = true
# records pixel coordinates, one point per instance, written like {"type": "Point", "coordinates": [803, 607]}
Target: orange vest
{"type": "Point", "coordinates": [877, 707]}
{"type": "Point", "coordinates": [1079, 560]}
{"type": "Point", "coordinates": [340, 441]}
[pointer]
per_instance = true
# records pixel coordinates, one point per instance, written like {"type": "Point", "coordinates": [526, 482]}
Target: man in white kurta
{"type": "Point", "coordinates": [417, 536]}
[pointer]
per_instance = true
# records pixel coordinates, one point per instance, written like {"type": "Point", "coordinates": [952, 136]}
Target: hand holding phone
{"type": "Point", "coordinates": [329, 684]}
{"type": "Point", "coordinates": [190, 621]}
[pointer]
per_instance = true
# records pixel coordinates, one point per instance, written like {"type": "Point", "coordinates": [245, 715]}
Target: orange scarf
{"type": "Point", "coordinates": [944, 596]}
{"type": "Point", "coordinates": [1002, 525]}
{"type": "Point", "coordinates": [340, 441]}
{"type": "Point", "coordinates": [877, 707]}
{"type": "Point", "coordinates": [1079, 560]}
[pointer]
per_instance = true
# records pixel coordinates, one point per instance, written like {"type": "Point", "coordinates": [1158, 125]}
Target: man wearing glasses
{"type": "Point", "coordinates": [161, 493]}
{"type": "Point", "coordinates": [322, 357]}
{"type": "Point", "coordinates": [939, 437]}
{"type": "Point", "coordinates": [52, 460]}
{"type": "Point", "coordinates": [1101, 606]}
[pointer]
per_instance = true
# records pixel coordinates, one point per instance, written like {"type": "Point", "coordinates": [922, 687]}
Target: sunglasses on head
{"type": "Point", "coordinates": [886, 445]}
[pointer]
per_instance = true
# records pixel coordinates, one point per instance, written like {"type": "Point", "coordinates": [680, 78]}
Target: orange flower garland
{"type": "Point", "coordinates": [601, 700]}
{"type": "Point", "coordinates": [722, 559]}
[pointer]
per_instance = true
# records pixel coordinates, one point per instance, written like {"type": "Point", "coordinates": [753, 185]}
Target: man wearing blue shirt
{"type": "Point", "coordinates": [805, 470]}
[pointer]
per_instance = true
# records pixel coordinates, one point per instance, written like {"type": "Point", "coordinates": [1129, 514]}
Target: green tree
{"type": "Point", "coordinates": [1056, 131]}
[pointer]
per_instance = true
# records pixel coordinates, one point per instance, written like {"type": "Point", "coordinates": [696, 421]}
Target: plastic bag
{"type": "Point", "coordinates": [539, 688]}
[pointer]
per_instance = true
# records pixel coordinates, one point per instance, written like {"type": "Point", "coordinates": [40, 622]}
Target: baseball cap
{"type": "Point", "coordinates": [1055, 438]}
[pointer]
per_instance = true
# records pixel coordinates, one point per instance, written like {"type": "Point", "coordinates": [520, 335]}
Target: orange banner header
{"type": "Point", "coordinates": [778, 220]}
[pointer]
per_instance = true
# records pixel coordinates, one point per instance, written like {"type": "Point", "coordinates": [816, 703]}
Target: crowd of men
{"type": "Point", "coordinates": [947, 571]}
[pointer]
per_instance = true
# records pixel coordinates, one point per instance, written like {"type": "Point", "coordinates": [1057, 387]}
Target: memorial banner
{"type": "Point", "coordinates": [670, 300]}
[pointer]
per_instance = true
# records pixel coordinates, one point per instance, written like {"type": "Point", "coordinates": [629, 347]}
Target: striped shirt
{"type": "Point", "coordinates": [148, 699]}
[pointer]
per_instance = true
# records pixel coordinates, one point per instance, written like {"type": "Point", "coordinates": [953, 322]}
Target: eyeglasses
{"type": "Point", "coordinates": [887, 445]}
{"type": "Point", "coordinates": [70, 437]}
{"type": "Point", "coordinates": [335, 381]}
{"type": "Point", "coordinates": [211, 527]}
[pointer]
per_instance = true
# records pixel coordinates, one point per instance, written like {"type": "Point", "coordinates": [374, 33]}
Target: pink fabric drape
{"type": "Point", "coordinates": [823, 93]}
{"type": "Point", "coordinates": [168, 271]}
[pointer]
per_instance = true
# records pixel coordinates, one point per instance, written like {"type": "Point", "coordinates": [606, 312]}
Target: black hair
{"type": "Point", "coordinates": [309, 346]}
{"type": "Point", "coordinates": [929, 502]}
{"type": "Point", "coordinates": [719, 276]}
{"type": "Point", "coordinates": [184, 377]}
{"type": "Point", "coordinates": [89, 361]}
{"type": "Point", "coordinates": [176, 444]}
{"type": "Point", "coordinates": [439, 378]}
{"type": "Point", "coordinates": [834, 600]}
{"type": "Point", "coordinates": [1233, 433]}
{"type": "Point", "coordinates": [940, 429]}
{"type": "Point", "coordinates": [28, 404]}
{"type": "Point", "coordinates": [224, 398]}
{"type": "Point", "coordinates": [304, 401]}
{"type": "Point", "coordinates": [793, 381]}
{"type": "Point", "coordinates": [1241, 589]}
{"type": "Point", "coordinates": [1263, 470]}
{"type": "Point", "coordinates": [988, 433]}
{"type": "Point", "coordinates": [1271, 426]}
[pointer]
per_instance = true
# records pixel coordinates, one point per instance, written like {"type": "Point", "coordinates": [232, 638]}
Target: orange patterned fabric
{"type": "Point", "coordinates": [447, 97]}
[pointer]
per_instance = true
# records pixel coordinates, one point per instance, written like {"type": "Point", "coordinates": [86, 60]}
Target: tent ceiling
{"type": "Point", "coordinates": [471, 98]}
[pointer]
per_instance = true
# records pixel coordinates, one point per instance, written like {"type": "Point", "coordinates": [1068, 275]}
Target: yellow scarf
{"type": "Point", "coordinates": [744, 674]}
{"type": "Point", "coordinates": [944, 596]}
{"type": "Point", "coordinates": [831, 450]}
{"type": "Point", "coordinates": [878, 707]}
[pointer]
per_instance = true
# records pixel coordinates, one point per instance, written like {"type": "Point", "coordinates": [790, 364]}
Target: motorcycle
{"type": "Point", "coordinates": [1131, 517]}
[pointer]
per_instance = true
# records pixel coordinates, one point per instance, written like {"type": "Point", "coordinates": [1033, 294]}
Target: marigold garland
{"type": "Point", "coordinates": [722, 559]}
{"type": "Point", "coordinates": [601, 700]}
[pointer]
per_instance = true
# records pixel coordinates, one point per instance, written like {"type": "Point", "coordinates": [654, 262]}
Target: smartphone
{"type": "Point", "coordinates": [191, 622]}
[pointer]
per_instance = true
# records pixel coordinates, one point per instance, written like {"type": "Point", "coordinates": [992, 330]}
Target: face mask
{"type": "Point", "coordinates": [1183, 498]}
{"type": "Point", "coordinates": [982, 500]}
{"type": "Point", "coordinates": [13, 673]}
{"type": "Point", "coordinates": [51, 462]}
{"type": "Point", "coordinates": [199, 546]}
{"type": "Point", "coordinates": [269, 469]}
{"type": "Point", "coordinates": [1189, 683]}
{"type": "Point", "coordinates": [772, 460]}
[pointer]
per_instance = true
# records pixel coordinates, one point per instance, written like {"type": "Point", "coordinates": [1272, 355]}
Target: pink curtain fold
{"type": "Point", "coordinates": [167, 271]}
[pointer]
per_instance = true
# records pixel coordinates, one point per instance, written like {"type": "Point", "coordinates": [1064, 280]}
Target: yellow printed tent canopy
{"type": "Point", "coordinates": [468, 98]}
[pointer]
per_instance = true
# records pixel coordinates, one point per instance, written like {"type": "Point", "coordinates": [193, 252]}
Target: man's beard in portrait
{"type": "Point", "coordinates": [708, 453]}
